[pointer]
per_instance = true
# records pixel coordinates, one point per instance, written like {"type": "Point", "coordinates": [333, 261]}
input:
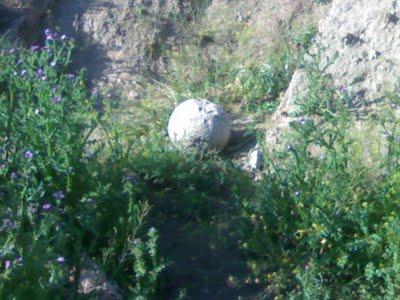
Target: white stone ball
{"type": "Point", "coordinates": [199, 123]}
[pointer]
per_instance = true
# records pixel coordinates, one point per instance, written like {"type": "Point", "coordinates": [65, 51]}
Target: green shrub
{"type": "Point", "coordinates": [64, 194]}
{"type": "Point", "coordinates": [259, 86]}
{"type": "Point", "coordinates": [78, 182]}
{"type": "Point", "coordinates": [254, 87]}
{"type": "Point", "coordinates": [321, 228]}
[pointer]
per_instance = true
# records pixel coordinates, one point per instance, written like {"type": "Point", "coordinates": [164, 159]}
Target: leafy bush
{"type": "Point", "coordinates": [255, 87]}
{"type": "Point", "coordinates": [64, 194]}
{"type": "Point", "coordinates": [259, 86]}
{"type": "Point", "coordinates": [78, 183]}
{"type": "Point", "coordinates": [321, 227]}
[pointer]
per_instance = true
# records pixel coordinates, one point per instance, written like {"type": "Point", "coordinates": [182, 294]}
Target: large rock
{"type": "Point", "coordinates": [361, 40]}
{"type": "Point", "coordinates": [199, 123]}
{"type": "Point", "coordinates": [93, 283]}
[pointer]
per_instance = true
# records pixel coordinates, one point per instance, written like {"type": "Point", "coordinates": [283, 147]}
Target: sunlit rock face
{"type": "Point", "coordinates": [199, 123]}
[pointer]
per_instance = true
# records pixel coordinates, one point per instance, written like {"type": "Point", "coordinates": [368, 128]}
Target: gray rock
{"type": "Point", "coordinates": [254, 159]}
{"type": "Point", "coordinates": [362, 42]}
{"type": "Point", "coordinates": [93, 283]}
{"type": "Point", "coordinates": [199, 123]}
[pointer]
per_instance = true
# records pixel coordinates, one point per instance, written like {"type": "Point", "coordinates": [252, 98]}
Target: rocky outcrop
{"type": "Point", "coordinates": [359, 43]}
{"type": "Point", "coordinates": [93, 283]}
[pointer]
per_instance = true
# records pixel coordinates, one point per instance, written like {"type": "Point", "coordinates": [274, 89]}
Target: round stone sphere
{"type": "Point", "coordinates": [199, 123]}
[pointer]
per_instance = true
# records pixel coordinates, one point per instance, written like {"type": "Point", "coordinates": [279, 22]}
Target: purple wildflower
{"type": "Point", "coordinates": [133, 178]}
{"type": "Point", "coordinates": [60, 259]}
{"type": "Point", "coordinates": [28, 154]}
{"type": "Point", "coordinates": [12, 51]}
{"type": "Point", "coordinates": [14, 175]}
{"type": "Point", "coordinates": [63, 37]}
{"type": "Point", "coordinates": [19, 260]}
{"type": "Point", "coordinates": [37, 111]}
{"type": "Point", "coordinates": [59, 195]}
{"type": "Point", "coordinates": [47, 207]}
{"type": "Point", "coordinates": [297, 193]}
{"type": "Point", "coordinates": [56, 100]}
{"type": "Point", "coordinates": [53, 63]}
{"type": "Point", "coordinates": [33, 209]}
{"type": "Point", "coordinates": [7, 264]}
{"type": "Point", "coordinates": [70, 76]}
{"type": "Point", "coordinates": [35, 48]}
{"type": "Point", "coordinates": [7, 223]}
{"type": "Point", "coordinates": [90, 201]}
{"type": "Point", "coordinates": [50, 35]}
{"type": "Point", "coordinates": [15, 73]}
{"type": "Point", "coordinates": [24, 72]}
{"type": "Point", "coordinates": [40, 72]}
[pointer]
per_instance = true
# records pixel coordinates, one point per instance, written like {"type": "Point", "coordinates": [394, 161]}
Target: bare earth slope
{"type": "Point", "coordinates": [119, 40]}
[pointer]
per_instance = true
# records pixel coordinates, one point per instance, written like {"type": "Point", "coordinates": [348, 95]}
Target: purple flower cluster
{"type": "Point", "coordinates": [50, 35]}
{"type": "Point", "coordinates": [7, 264]}
{"type": "Point", "coordinates": [41, 74]}
{"type": "Point", "coordinates": [8, 224]}
{"type": "Point", "coordinates": [28, 154]}
{"type": "Point", "coordinates": [59, 195]}
{"type": "Point", "coordinates": [56, 100]}
{"type": "Point", "coordinates": [35, 48]}
{"type": "Point", "coordinates": [47, 207]}
{"type": "Point", "coordinates": [33, 208]}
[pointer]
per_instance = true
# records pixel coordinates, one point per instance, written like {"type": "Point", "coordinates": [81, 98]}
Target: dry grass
{"type": "Point", "coordinates": [252, 30]}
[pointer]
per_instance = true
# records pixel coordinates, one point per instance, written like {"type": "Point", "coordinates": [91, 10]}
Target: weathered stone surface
{"type": "Point", "coordinates": [366, 39]}
{"type": "Point", "coordinates": [285, 112]}
{"type": "Point", "coordinates": [361, 40]}
{"type": "Point", "coordinates": [254, 159]}
{"type": "Point", "coordinates": [199, 123]}
{"type": "Point", "coordinates": [93, 283]}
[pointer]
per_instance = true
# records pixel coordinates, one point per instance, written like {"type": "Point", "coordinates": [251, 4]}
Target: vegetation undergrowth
{"type": "Point", "coordinates": [325, 225]}
{"type": "Point", "coordinates": [80, 184]}
{"type": "Point", "coordinates": [64, 196]}
{"type": "Point", "coordinates": [209, 63]}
